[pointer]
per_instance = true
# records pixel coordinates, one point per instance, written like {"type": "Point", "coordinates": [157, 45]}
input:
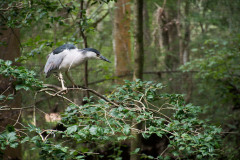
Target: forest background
{"type": "Point", "coordinates": [172, 90]}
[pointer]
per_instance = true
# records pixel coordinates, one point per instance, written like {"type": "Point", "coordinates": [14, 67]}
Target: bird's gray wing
{"type": "Point", "coordinates": [53, 63]}
{"type": "Point", "coordinates": [63, 47]}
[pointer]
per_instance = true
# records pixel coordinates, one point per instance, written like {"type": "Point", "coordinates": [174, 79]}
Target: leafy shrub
{"type": "Point", "coordinates": [100, 122]}
{"type": "Point", "coordinates": [19, 76]}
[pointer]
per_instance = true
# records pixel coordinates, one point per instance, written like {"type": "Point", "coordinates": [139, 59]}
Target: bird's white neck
{"type": "Point", "coordinates": [88, 55]}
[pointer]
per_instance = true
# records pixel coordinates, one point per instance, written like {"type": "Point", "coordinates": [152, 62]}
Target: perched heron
{"type": "Point", "coordinates": [68, 56]}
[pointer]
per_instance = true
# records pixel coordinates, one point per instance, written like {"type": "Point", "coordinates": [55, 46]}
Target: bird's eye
{"type": "Point", "coordinates": [98, 55]}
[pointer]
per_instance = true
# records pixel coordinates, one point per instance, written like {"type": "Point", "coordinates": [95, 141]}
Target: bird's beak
{"type": "Point", "coordinates": [103, 58]}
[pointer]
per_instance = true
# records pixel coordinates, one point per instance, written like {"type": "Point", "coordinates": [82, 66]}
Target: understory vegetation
{"type": "Point", "coordinates": [171, 91]}
{"type": "Point", "coordinates": [99, 122]}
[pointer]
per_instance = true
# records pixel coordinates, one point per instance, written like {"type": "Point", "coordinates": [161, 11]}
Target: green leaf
{"type": "Point", "coordinates": [8, 63]}
{"type": "Point", "coordinates": [181, 148]}
{"type": "Point", "coordinates": [145, 135]}
{"type": "Point", "coordinates": [93, 130]}
{"type": "Point", "coordinates": [72, 129]}
{"type": "Point", "coordinates": [121, 138]}
{"type": "Point", "coordinates": [2, 97]}
{"type": "Point", "coordinates": [126, 129]}
{"type": "Point", "coordinates": [13, 145]}
{"type": "Point", "coordinates": [135, 151]}
{"type": "Point", "coordinates": [18, 87]}
{"type": "Point", "coordinates": [26, 139]}
{"type": "Point", "coordinates": [11, 137]}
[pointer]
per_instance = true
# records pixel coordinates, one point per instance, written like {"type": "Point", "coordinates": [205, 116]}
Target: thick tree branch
{"type": "Point", "coordinates": [59, 91]}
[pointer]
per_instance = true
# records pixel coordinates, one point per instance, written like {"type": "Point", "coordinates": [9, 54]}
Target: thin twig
{"type": "Point", "coordinates": [19, 6]}
{"type": "Point", "coordinates": [164, 151]}
{"type": "Point", "coordinates": [61, 97]}
{"type": "Point", "coordinates": [5, 90]}
{"type": "Point", "coordinates": [20, 112]}
{"type": "Point", "coordinates": [107, 120]}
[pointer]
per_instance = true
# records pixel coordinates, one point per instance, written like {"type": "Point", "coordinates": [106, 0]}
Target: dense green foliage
{"type": "Point", "coordinates": [219, 67]}
{"type": "Point", "coordinates": [100, 123]}
{"type": "Point", "coordinates": [218, 76]}
{"type": "Point", "coordinates": [20, 77]}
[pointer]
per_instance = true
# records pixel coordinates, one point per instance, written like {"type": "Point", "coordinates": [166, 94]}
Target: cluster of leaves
{"type": "Point", "coordinates": [17, 14]}
{"type": "Point", "coordinates": [20, 77]}
{"type": "Point", "coordinates": [219, 67]}
{"type": "Point", "coordinates": [219, 60]}
{"type": "Point", "coordinates": [9, 138]}
{"type": "Point", "coordinates": [28, 54]}
{"type": "Point", "coordinates": [219, 75]}
{"type": "Point", "coordinates": [135, 102]}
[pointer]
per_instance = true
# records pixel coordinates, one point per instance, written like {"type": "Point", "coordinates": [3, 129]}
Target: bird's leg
{"type": "Point", "coordinates": [62, 82]}
{"type": "Point", "coordinates": [57, 76]}
{"type": "Point", "coordinates": [74, 85]}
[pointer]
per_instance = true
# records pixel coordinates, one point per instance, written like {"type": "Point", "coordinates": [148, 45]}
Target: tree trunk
{"type": "Point", "coordinates": [166, 33]}
{"type": "Point", "coordinates": [138, 67]}
{"type": "Point", "coordinates": [172, 58]}
{"type": "Point", "coordinates": [187, 35]}
{"type": "Point", "coordinates": [10, 51]}
{"type": "Point", "coordinates": [138, 40]}
{"type": "Point", "coordinates": [179, 29]}
{"type": "Point", "coordinates": [146, 25]}
{"type": "Point", "coordinates": [184, 40]}
{"type": "Point", "coordinates": [186, 52]}
{"type": "Point", "coordinates": [122, 38]}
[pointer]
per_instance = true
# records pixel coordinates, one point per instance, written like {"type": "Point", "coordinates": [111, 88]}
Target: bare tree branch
{"type": "Point", "coordinates": [99, 20]}
{"type": "Point", "coordinates": [79, 88]}
{"type": "Point", "coordinates": [17, 6]}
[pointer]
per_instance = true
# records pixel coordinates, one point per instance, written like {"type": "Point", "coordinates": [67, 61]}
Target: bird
{"type": "Point", "coordinates": [68, 56]}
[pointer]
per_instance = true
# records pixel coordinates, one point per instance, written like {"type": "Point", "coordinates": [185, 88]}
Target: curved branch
{"type": "Point", "coordinates": [80, 88]}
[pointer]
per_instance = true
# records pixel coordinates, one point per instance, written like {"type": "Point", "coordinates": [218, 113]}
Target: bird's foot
{"type": "Point", "coordinates": [64, 90]}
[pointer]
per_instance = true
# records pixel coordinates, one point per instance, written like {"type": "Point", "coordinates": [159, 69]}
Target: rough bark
{"type": "Point", "coordinates": [122, 38]}
{"type": "Point", "coordinates": [9, 51]}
